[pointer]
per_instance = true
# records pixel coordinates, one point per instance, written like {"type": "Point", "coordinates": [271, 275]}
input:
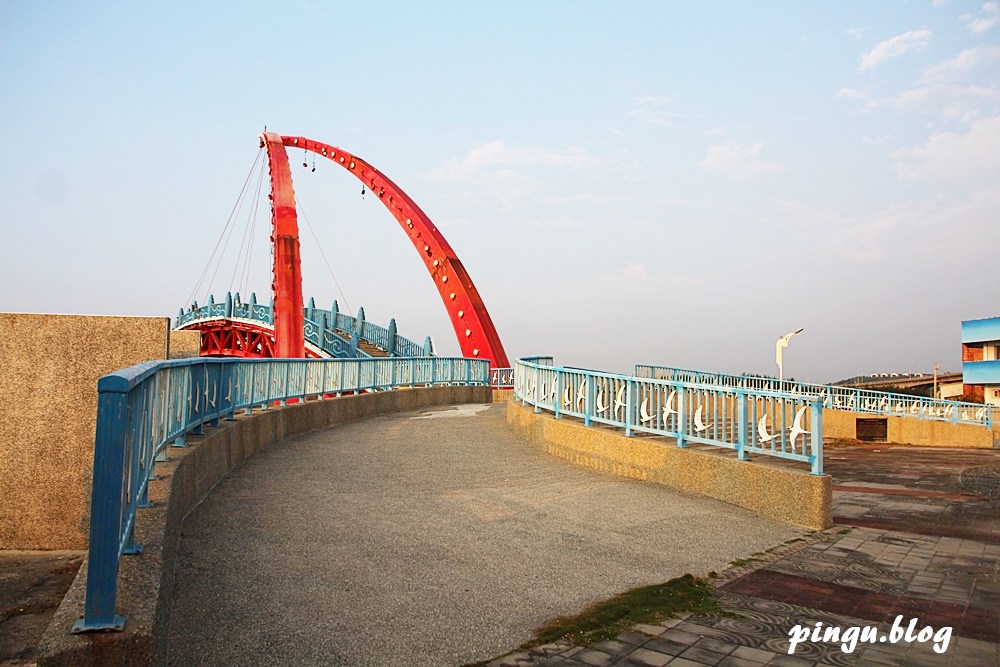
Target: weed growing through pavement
{"type": "Point", "coordinates": [648, 604]}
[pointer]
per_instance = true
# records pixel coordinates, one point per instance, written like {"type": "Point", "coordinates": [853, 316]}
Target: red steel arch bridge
{"type": "Point", "coordinates": [286, 328]}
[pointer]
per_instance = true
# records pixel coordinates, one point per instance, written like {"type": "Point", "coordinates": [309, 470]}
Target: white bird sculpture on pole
{"type": "Point", "coordinates": [779, 346]}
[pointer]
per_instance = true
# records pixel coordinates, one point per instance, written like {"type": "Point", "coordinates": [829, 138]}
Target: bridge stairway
{"type": "Point", "coordinates": [368, 348]}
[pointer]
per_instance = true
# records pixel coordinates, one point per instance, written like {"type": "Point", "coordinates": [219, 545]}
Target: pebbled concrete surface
{"type": "Point", "coordinates": [433, 538]}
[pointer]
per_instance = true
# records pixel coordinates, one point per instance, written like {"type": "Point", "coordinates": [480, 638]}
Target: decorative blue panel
{"type": "Point", "coordinates": [981, 331]}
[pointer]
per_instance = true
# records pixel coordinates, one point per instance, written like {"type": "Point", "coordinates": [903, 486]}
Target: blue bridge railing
{"type": "Point", "coordinates": [836, 397]}
{"type": "Point", "coordinates": [759, 421]}
{"type": "Point", "coordinates": [321, 327]}
{"type": "Point", "coordinates": [502, 378]}
{"type": "Point", "coordinates": [143, 409]}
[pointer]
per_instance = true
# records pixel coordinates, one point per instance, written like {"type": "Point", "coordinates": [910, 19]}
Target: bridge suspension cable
{"type": "Point", "coordinates": [322, 254]}
{"type": "Point", "coordinates": [247, 244]}
{"type": "Point", "coordinates": [215, 258]}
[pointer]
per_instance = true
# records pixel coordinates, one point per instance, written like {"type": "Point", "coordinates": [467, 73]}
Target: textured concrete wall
{"type": "Point", "coordinates": [773, 491]}
{"type": "Point", "coordinates": [910, 430]}
{"type": "Point", "coordinates": [145, 582]}
{"type": "Point", "coordinates": [49, 366]}
{"type": "Point", "coordinates": [502, 395]}
{"type": "Point", "coordinates": [185, 344]}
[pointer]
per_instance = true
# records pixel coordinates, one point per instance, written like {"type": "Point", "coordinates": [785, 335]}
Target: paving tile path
{"type": "Point", "coordinates": [917, 536]}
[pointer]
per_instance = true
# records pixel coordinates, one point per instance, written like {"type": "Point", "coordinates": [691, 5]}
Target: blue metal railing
{"type": "Point", "coordinates": [143, 409]}
{"type": "Point", "coordinates": [502, 378]}
{"type": "Point", "coordinates": [836, 397]}
{"type": "Point", "coordinates": [320, 327]}
{"type": "Point", "coordinates": [746, 420]}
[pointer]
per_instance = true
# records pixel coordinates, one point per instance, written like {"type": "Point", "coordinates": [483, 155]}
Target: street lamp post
{"type": "Point", "coordinates": [779, 347]}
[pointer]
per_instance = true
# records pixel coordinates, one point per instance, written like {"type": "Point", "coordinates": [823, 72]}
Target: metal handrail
{"type": "Point", "coordinates": [837, 397]}
{"type": "Point", "coordinates": [778, 424]}
{"type": "Point", "coordinates": [502, 378]}
{"type": "Point", "coordinates": [143, 409]}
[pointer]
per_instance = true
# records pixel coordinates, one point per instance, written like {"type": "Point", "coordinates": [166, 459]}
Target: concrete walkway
{"type": "Point", "coordinates": [425, 539]}
{"type": "Point", "coordinates": [918, 536]}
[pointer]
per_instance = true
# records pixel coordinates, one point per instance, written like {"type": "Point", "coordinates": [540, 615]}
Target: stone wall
{"type": "Point", "coordinates": [185, 344]}
{"type": "Point", "coordinates": [49, 367]}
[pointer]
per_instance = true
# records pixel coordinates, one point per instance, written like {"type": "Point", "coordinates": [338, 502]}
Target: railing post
{"type": "Point", "coordinates": [816, 437]}
{"type": "Point", "coordinates": [629, 403]}
{"type": "Point", "coordinates": [283, 401]}
{"type": "Point", "coordinates": [105, 515]}
{"type": "Point", "coordinates": [588, 399]}
{"type": "Point", "coordinates": [537, 372]}
{"type": "Point", "coordinates": [741, 418]}
{"type": "Point", "coordinates": [557, 403]}
{"type": "Point", "coordinates": [681, 416]}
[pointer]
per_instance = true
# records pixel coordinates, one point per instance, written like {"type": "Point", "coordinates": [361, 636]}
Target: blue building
{"type": "Point", "coordinates": [981, 359]}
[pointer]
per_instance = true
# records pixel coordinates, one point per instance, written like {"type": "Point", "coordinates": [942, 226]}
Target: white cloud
{"type": "Point", "coordinates": [493, 172]}
{"type": "Point", "coordinates": [962, 64]}
{"type": "Point", "coordinates": [967, 158]}
{"type": "Point", "coordinates": [937, 228]}
{"type": "Point", "coordinates": [853, 94]}
{"type": "Point", "coordinates": [652, 109]}
{"type": "Point", "coordinates": [988, 17]}
{"type": "Point", "coordinates": [894, 47]}
{"type": "Point", "coordinates": [588, 198]}
{"type": "Point", "coordinates": [953, 103]}
{"type": "Point", "coordinates": [736, 160]}
{"type": "Point", "coordinates": [856, 32]}
{"type": "Point", "coordinates": [564, 222]}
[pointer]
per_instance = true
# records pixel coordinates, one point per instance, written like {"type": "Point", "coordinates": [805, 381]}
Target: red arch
{"type": "Point", "coordinates": [473, 326]}
{"type": "Point", "coordinates": [287, 273]}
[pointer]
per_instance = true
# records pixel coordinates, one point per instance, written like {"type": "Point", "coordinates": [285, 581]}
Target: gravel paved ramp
{"type": "Point", "coordinates": [425, 538]}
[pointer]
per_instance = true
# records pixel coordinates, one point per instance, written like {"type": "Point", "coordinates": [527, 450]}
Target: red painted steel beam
{"type": "Point", "coordinates": [473, 326]}
{"type": "Point", "coordinates": [228, 338]}
{"type": "Point", "coordinates": [287, 274]}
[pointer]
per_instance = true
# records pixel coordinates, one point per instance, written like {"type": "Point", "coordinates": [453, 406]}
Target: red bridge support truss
{"type": "Point", "coordinates": [474, 329]}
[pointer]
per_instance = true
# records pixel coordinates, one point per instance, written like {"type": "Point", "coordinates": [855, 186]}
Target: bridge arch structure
{"type": "Point", "coordinates": [473, 326]}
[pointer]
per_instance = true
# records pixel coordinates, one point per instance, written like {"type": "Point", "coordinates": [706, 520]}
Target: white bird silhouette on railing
{"type": "Point", "coordinates": [600, 399]}
{"type": "Point", "coordinates": [699, 425]}
{"type": "Point", "coordinates": [619, 403]}
{"type": "Point", "coordinates": [566, 397]}
{"type": "Point", "coordinates": [668, 407]}
{"type": "Point", "coordinates": [762, 435]}
{"type": "Point", "coordinates": [798, 429]}
{"type": "Point", "coordinates": [582, 394]}
{"type": "Point", "coordinates": [644, 415]}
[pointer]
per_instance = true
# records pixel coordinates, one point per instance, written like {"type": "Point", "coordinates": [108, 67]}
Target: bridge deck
{"type": "Point", "coordinates": [425, 538]}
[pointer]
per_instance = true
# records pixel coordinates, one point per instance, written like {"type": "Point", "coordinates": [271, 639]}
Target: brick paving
{"type": "Point", "coordinates": [917, 536]}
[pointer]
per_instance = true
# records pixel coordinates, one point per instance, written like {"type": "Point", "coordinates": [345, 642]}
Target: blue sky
{"type": "Point", "coordinates": [653, 182]}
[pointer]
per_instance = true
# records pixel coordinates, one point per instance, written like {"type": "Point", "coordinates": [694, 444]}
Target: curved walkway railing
{"type": "Point", "coordinates": [321, 326]}
{"type": "Point", "coordinates": [771, 423]}
{"type": "Point", "coordinates": [143, 409]}
{"type": "Point", "coordinates": [502, 378]}
{"type": "Point", "coordinates": [836, 397]}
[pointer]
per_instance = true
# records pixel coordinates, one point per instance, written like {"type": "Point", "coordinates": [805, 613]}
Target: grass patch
{"type": "Point", "coordinates": [608, 619]}
{"type": "Point", "coordinates": [649, 604]}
